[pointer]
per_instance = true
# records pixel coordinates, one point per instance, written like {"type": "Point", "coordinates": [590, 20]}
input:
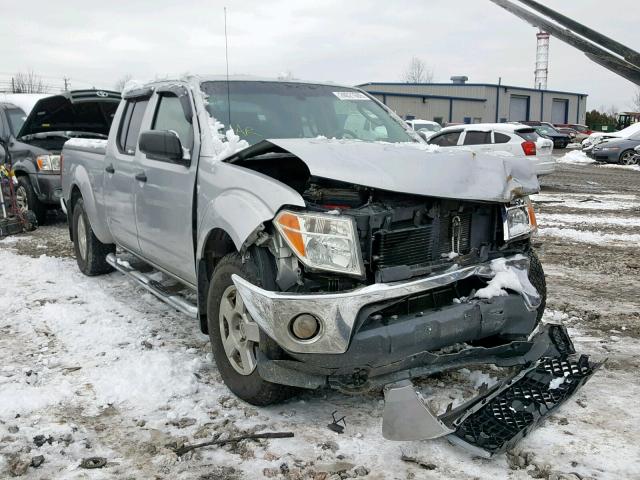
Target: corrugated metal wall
{"type": "Point", "coordinates": [540, 103]}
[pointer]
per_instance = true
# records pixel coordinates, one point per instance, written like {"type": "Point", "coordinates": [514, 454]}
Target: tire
{"type": "Point", "coordinates": [538, 280]}
{"type": "Point", "coordinates": [27, 199]}
{"type": "Point", "coordinates": [628, 157]}
{"type": "Point", "coordinates": [237, 374]}
{"type": "Point", "coordinates": [91, 253]}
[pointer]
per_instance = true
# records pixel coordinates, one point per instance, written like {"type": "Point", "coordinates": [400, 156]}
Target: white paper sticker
{"type": "Point", "coordinates": [351, 96]}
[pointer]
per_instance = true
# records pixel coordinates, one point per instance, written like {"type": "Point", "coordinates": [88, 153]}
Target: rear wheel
{"type": "Point", "coordinates": [235, 337]}
{"type": "Point", "coordinates": [26, 200]}
{"type": "Point", "coordinates": [91, 253]}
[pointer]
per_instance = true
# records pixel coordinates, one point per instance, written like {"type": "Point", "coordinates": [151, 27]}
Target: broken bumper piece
{"type": "Point", "coordinates": [496, 420]}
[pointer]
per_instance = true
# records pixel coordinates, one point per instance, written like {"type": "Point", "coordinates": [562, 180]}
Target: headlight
{"type": "Point", "coordinates": [519, 220]}
{"type": "Point", "coordinates": [323, 242]}
{"type": "Point", "coordinates": [48, 163]}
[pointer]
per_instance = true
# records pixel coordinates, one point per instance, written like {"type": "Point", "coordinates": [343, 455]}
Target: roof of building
{"type": "Point", "coordinates": [494, 85]}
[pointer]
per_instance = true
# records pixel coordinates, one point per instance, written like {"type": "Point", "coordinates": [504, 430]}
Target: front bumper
{"type": "Point", "coordinates": [338, 312]}
{"type": "Point", "coordinates": [49, 187]}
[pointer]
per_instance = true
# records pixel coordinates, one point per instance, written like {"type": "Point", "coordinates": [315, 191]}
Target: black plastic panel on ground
{"type": "Point", "coordinates": [509, 416]}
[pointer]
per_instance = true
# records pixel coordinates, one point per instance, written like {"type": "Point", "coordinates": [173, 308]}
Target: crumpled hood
{"type": "Point", "coordinates": [413, 169]}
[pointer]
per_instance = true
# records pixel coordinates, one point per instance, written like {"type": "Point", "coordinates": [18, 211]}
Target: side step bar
{"type": "Point", "coordinates": [495, 420]}
{"type": "Point", "coordinates": [154, 287]}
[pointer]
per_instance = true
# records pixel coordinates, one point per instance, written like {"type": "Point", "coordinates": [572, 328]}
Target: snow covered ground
{"type": "Point", "coordinates": [95, 367]}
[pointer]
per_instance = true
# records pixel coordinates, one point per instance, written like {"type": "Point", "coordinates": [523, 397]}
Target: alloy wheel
{"type": "Point", "coordinates": [22, 200]}
{"type": "Point", "coordinates": [239, 333]}
{"type": "Point", "coordinates": [81, 232]}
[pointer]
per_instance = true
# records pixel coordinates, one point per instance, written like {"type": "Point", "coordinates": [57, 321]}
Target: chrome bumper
{"type": "Point", "coordinates": [337, 312]}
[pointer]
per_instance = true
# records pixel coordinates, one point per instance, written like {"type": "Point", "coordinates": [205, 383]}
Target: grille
{"type": "Point", "coordinates": [420, 245]}
{"type": "Point", "coordinates": [444, 245]}
{"type": "Point", "coordinates": [408, 246]}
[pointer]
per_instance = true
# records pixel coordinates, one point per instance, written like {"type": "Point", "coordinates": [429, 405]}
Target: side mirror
{"type": "Point", "coordinates": [4, 151]}
{"type": "Point", "coordinates": [161, 145]}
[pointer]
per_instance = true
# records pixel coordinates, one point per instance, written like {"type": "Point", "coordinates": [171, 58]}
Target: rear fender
{"type": "Point", "coordinates": [96, 215]}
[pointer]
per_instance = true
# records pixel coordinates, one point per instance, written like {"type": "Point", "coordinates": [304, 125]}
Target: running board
{"type": "Point", "coordinates": [152, 286]}
{"type": "Point", "coordinates": [497, 419]}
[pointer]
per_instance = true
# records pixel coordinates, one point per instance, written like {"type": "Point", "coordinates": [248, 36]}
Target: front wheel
{"type": "Point", "coordinates": [235, 337]}
{"type": "Point", "coordinates": [91, 253]}
{"type": "Point", "coordinates": [629, 157]}
{"type": "Point", "coordinates": [538, 280]}
{"type": "Point", "coordinates": [26, 200]}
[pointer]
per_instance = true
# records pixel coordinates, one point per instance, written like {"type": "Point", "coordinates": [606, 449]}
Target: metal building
{"type": "Point", "coordinates": [461, 102]}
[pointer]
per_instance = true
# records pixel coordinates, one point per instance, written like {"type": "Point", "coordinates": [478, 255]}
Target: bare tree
{"type": "Point", "coordinates": [635, 102]}
{"type": "Point", "coordinates": [417, 72]}
{"type": "Point", "coordinates": [28, 82]}
{"type": "Point", "coordinates": [119, 85]}
{"type": "Point", "coordinates": [288, 75]}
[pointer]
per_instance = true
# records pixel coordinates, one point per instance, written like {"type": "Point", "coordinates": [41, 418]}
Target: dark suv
{"type": "Point", "coordinates": [35, 140]}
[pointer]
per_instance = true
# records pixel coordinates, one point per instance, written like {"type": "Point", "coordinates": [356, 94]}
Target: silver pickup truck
{"type": "Point", "coordinates": [320, 243]}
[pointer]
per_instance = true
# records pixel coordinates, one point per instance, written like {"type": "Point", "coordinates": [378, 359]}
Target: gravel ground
{"type": "Point", "coordinates": [94, 367]}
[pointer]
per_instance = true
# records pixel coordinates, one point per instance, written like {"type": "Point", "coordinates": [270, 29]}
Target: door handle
{"type": "Point", "coordinates": [141, 177]}
{"type": "Point", "coordinates": [109, 169]}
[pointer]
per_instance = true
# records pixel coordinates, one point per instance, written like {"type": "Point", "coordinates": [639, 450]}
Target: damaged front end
{"type": "Point", "coordinates": [378, 286]}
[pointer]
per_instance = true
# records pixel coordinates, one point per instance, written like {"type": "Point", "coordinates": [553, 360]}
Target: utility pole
{"type": "Point", "coordinates": [66, 83]}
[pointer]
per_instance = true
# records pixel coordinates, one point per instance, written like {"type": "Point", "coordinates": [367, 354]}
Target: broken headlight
{"type": "Point", "coordinates": [322, 242]}
{"type": "Point", "coordinates": [518, 219]}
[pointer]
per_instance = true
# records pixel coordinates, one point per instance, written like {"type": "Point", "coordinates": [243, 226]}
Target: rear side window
{"type": "Point", "coordinates": [449, 139]}
{"type": "Point", "coordinates": [474, 137]}
{"type": "Point", "coordinates": [130, 125]}
{"type": "Point", "coordinates": [170, 116]}
{"type": "Point", "coordinates": [528, 134]}
{"type": "Point", "coordinates": [501, 137]}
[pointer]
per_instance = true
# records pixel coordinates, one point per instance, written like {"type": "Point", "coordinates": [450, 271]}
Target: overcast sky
{"type": "Point", "coordinates": [97, 42]}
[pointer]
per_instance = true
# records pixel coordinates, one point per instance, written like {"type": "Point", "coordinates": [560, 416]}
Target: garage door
{"type": "Point", "coordinates": [559, 111]}
{"type": "Point", "coordinates": [519, 108]}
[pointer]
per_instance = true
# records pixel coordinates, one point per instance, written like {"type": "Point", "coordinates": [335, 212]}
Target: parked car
{"type": "Point", "coordinates": [35, 140]}
{"type": "Point", "coordinates": [517, 139]}
{"type": "Point", "coordinates": [573, 135]}
{"type": "Point", "coordinates": [597, 137]}
{"type": "Point", "coordinates": [425, 128]}
{"type": "Point", "coordinates": [617, 150]}
{"type": "Point", "coordinates": [583, 130]}
{"type": "Point", "coordinates": [544, 129]}
{"type": "Point", "coordinates": [319, 256]}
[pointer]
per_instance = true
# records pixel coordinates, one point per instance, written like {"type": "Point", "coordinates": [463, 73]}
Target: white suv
{"type": "Point", "coordinates": [516, 139]}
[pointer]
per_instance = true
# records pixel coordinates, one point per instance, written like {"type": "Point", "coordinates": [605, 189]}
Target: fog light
{"type": "Point", "coordinates": [305, 326]}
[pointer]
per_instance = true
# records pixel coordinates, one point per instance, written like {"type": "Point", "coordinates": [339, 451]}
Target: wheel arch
{"type": "Point", "coordinates": [217, 244]}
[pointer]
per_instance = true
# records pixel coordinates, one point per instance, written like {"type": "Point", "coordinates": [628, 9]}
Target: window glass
{"type": "Point", "coordinates": [501, 137]}
{"type": "Point", "coordinates": [124, 125]}
{"type": "Point", "coordinates": [449, 139]}
{"type": "Point", "coordinates": [133, 129]}
{"type": "Point", "coordinates": [16, 117]}
{"type": "Point", "coordinates": [528, 134]}
{"type": "Point", "coordinates": [170, 116]}
{"type": "Point", "coordinates": [261, 110]}
{"type": "Point", "coordinates": [477, 138]}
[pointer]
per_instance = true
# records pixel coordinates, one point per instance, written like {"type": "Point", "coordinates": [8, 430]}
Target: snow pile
{"type": "Point", "coordinates": [583, 236]}
{"type": "Point", "coordinates": [635, 168]}
{"type": "Point", "coordinates": [225, 144]}
{"type": "Point", "coordinates": [576, 157]}
{"type": "Point", "coordinates": [506, 277]}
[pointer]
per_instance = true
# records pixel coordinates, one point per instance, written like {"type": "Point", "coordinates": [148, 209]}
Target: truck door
{"type": "Point", "coordinates": [120, 170]}
{"type": "Point", "coordinates": [164, 199]}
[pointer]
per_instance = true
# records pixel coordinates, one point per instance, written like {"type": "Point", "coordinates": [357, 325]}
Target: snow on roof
{"type": "Point", "coordinates": [504, 127]}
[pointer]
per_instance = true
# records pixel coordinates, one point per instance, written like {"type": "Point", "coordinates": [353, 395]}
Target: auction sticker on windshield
{"type": "Point", "coordinates": [351, 96]}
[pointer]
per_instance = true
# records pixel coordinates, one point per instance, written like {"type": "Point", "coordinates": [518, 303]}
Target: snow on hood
{"type": "Point", "coordinates": [413, 169]}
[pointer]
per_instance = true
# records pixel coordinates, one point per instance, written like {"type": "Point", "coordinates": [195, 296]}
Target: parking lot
{"type": "Point", "coordinates": [95, 367]}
